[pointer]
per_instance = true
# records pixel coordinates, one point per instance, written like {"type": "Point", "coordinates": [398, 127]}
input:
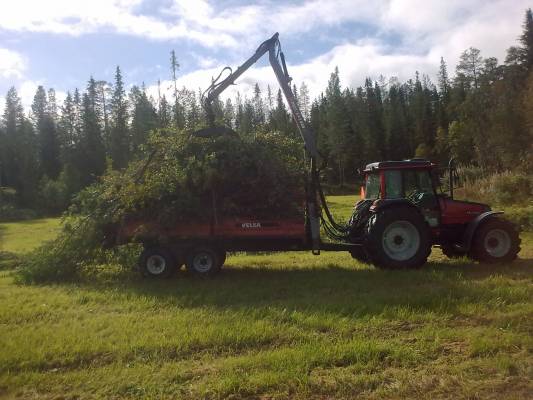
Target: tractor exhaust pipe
{"type": "Point", "coordinates": [451, 165]}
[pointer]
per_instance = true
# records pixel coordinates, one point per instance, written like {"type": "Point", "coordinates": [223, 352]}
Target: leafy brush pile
{"type": "Point", "coordinates": [180, 179]}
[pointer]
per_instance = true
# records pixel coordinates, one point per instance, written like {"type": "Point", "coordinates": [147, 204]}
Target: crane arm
{"type": "Point", "coordinates": [272, 46]}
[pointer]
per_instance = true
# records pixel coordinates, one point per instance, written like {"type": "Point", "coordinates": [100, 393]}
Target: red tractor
{"type": "Point", "coordinates": [403, 213]}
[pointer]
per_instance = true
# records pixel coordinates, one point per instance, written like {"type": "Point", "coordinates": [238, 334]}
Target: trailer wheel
{"type": "Point", "coordinates": [156, 262]}
{"type": "Point", "coordinates": [398, 238]}
{"type": "Point", "coordinates": [203, 261]}
{"type": "Point", "coordinates": [496, 241]}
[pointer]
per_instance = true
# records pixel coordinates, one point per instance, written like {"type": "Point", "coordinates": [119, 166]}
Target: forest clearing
{"type": "Point", "coordinates": [271, 325]}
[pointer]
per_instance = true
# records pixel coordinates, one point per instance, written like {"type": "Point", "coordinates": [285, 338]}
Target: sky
{"type": "Point", "coordinates": [61, 43]}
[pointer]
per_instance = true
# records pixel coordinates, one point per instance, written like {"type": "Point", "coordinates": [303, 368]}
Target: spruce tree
{"type": "Point", "coordinates": [304, 101]}
{"type": "Point", "coordinates": [118, 140]}
{"type": "Point", "coordinates": [45, 126]}
{"type": "Point", "coordinates": [526, 40]}
{"type": "Point", "coordinates": [143, 119]}
{"type": "Point", "coordinates": [259, 109]}
{"type": "Point", "coordinates": [20, 155]}
{"type": "Point", "coordinates": [91, 141]}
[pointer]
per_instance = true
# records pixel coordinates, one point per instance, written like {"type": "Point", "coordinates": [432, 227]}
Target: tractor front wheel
{"type": "Point", "coordinates": [398, 238]}
{"type": "Point", "coordinates": [496, 241]}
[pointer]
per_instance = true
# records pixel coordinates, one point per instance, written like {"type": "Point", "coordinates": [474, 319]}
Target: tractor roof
{"type": "Point", "coordinates": [405, 164]}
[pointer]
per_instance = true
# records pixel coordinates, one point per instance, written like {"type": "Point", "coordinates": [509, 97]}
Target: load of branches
{"type": "Point", "coordinates": [179, 179]}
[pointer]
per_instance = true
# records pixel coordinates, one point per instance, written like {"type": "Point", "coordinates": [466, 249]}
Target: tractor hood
{"type": "Point", "coordinates": [460, 211]}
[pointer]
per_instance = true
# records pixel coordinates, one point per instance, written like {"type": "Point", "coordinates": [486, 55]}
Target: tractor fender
{"type": "Point", "coordinates": [382, 204]}
{"type": "Point", "coordinates": [472, 227]}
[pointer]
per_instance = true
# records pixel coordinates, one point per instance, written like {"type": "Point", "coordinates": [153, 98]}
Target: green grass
{"type": "Point", "coordinates": [23, 236]}
{"type": "Point", "coordinates": [285, 325]}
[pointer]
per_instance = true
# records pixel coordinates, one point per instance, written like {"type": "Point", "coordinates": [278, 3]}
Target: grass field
{"type": "Point", "coordinates": [287, 325]}
{"type": "Point", "coordinates": [20, 237]}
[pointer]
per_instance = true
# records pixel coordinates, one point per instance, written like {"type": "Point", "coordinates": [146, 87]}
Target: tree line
{"type": "Point", "coordinates": [483, 115]}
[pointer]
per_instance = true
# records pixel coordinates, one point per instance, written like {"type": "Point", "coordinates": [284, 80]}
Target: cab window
{"type": "Point", "coordinates": [372, 186]}
{"type": "Point", "coordinates": [393, 184]}
{"type": "Point", "coordinates": [416, 182]}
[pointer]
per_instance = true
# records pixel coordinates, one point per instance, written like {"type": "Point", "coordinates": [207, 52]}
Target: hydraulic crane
{"type": "Point", "coordinates": [276, 57]}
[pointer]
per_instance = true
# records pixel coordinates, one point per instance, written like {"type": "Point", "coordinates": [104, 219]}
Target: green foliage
{"type": "Point", "coordinates": [181, 179]}
{"type": "Point", "coordinates": [10, 212]}
{"type": "Point", "coordinates": [505, 188]}
{"type": "Point", "coordinates": [522, 216]}
{"type": "Point", "coordinates": [53, 194]}
{"type": "Point", "coordinates": [511, 188]}
{"type": "Point", "coordinates": [76, 252]}
{"type": "Point", "coordinates": [8, 260]}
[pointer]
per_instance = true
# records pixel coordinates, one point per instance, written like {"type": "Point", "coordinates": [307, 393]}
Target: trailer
{"type": "Point", "coordinates": [202, 247]}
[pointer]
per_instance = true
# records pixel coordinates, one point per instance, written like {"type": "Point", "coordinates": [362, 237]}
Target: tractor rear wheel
{"type": "Point", "coordinates": [398, 238]}
{"type": "Point", "coordinates": [495, 241]}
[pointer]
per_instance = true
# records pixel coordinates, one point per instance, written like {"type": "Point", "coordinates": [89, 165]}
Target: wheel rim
{"type": "Point", "coordinates": [156, 264]}
{"type": "Point", "coordinates": [401, 240]}
{"type": "Point", "coordinates": [497, 243]}
{"type": "Point", "coordinates": [203, 262]}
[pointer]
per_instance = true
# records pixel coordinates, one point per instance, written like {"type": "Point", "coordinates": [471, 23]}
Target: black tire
{"type": "Point", "coordinates": [156, 262]}
{"type": "Point", "coordinates": [203, 261]}
{"type": "Point", "coordinates": [398, 238]}
{"type": "Point", "coordinates": [451, 252]}
{"type": "Point", "coordinates": [495, 241]}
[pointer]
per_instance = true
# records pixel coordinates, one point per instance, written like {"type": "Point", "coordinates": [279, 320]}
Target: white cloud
{"type": "Point", "coordinates": [316, 72]}
{"type": "Point", "coordinates": [12, 64]}
{"type": "Point", "coordinates": [77, 17]}
{"type": "Point", "coordinates": [423, 31]}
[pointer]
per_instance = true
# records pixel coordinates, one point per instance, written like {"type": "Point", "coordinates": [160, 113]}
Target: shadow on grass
{"type": "Point", "coordinates": [2, 234]}
{"type": "Point", "coordinates": [441, 288]}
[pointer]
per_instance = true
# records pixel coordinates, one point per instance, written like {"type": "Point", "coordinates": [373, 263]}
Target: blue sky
{"type": "Point", "coordinates": [60, 43]}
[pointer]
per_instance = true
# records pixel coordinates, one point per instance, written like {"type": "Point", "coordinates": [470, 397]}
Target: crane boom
{"type": "Point", "coordinates": [272, 46]}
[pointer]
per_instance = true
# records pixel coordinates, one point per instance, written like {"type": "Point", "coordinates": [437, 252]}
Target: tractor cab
{"type": "Point", "coordinates": [392, 182]}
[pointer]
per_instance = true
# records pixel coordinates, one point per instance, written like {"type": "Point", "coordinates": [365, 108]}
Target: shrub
{"type": "Point", "coordinates": [521, 216]}
{"type": "Point", "coordinates": [9, 212]}
{"type": "Point", "coordinates": [505, 188]}
{"type": "Point", "coordinates": [8, 260]}
{"type": "Point", "coordinates": [511, 188]}
{"type": "Point", "coordinates": [53, 195]}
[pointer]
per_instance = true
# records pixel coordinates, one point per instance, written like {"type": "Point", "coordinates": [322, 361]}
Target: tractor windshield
{"type": "Point", "coordinates": [372, 186]}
